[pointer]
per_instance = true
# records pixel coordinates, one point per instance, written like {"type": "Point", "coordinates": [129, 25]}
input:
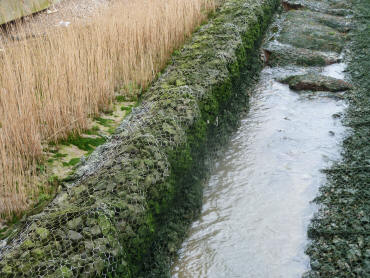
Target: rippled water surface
{"type": "Point", "coordinates": [256, 205]}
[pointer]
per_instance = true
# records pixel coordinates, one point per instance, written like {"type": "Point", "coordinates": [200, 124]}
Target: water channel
{"type": "Point", "coordinates": [257, 202]}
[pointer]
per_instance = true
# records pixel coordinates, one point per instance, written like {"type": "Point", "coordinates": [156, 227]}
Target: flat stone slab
{"type": "Point", "coordinates": [284, 55]}
{"type": "Point", "coordinates": [305, 29]}
{"type": "Point", "coordinates": [338, 23]}
{"type": "Point", "coordinates": [335, 7]}
{"type": "Point", "coordinates": [315, 82]}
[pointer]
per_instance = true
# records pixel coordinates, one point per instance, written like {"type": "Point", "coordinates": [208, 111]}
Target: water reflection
{"type": "Point", "coordinates": [257, 202]}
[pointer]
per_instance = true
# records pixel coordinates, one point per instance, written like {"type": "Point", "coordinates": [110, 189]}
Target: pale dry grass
{"type": "Point", "coordinates": [51, 85]}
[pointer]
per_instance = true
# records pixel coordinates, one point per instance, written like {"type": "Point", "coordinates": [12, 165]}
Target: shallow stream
{"type": "Point", "coordinates": [257, 202]}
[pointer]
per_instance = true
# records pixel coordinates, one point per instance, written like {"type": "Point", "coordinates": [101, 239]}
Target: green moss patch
{"type": "Point", "coordinates": [120, 98]}
{"type": "Point", "coordinates": [315, 82]}
{"type": "Point", "coordinates": [83, 143]}
{"type": "Point", "coordinates": [72, 162]}
{"type": "Point", "coordinates": [104, 121]}
{"type": "Point", "coordinates": [134, 197]}
{"type": "Point", "coordinates": [307, 32]}
{"type": "Point", "coordinates": [333, 7]}
{"type": "Point", "coordinates": [285, 55]}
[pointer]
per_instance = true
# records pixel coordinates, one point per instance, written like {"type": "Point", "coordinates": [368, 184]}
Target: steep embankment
{"type": "Point", "coordinates": [126, 210]}
{"type": "Point", "coordinates": [341, 230]}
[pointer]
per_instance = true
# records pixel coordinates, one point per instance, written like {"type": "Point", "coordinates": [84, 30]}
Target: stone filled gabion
{"type": "Point", "coordinates": [103, 222]}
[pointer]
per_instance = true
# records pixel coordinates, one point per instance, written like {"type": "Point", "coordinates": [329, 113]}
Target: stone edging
{"type": "Point", "coordinates": [340, 231]}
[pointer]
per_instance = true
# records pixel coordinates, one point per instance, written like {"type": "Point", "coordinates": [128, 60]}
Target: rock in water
{"type": "Point", "coordinates": [285, 55]}
{"type": "Point", "coordinates": [311, 31]}
{"type": "Point", "coordinates": [315, 82]}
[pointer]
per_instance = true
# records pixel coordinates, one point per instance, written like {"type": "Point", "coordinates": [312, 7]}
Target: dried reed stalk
{"type": "Point", "coordinates": [52, 84]}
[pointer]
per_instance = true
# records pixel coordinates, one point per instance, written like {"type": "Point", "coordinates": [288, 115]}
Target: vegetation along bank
{"type": "Point", "coordinates": [56, 77]}
{"type": "Point", "coordinates": [340, 232]}
{"type": "Point", "coordinates": [126, 209]}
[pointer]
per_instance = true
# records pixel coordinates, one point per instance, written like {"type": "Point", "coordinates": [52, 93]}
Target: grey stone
{"type": "Point", "coordinates": [75, 236]}
{"type": "Point", "coordinates": [75, 224]}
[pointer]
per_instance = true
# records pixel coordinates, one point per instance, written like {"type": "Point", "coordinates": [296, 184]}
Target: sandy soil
{"type": "Point", "coordinates": [61, 14]}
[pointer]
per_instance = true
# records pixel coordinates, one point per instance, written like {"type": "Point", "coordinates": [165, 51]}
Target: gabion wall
{"type": "Point", "coordinates": [106, 220]}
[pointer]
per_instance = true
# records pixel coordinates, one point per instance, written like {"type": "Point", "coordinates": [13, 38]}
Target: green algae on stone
{"type": "Point", "coordinates": [74, 236]}
{"type": "Point", "coordinates": [42, 233]}
{"type": "Point", "coordinates": [286, 55]}
{"type": "Point", "coordinates": [27, 244]}
{"type": "Point", "coordinates": [7, 270]}
{"type": "Point", "coordinates": [75, 224]}
{"type": "Point", "coordinates": [339, 232]}
{"type": "Point", "coordinates": [339, 23]}
{"type": "Point", "coordinates": [63, 272]}
{"type": "Point", "coordinates": [307, 32]}
{"type": "Point", "coordinates": [138, 193]}
{"type": "Point", "coordinates": [315, 82]}
{"type": "Point", "coordinates": [334, 7]}
{"type": "Point", "coordinates": [37, 253]}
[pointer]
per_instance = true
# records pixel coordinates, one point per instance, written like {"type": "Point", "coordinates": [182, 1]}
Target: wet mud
{"type": "Point", "coordinates": [294, 146]}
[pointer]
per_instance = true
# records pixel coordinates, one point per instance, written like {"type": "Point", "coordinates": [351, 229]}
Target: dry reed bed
{"type": "Point", "coordinates": [51, 85]}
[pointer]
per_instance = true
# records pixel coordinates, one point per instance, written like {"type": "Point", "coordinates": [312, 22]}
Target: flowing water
{"type": "Point", "coordinates": [256, 205]}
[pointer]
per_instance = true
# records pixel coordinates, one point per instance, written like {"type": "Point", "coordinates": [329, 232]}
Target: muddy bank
{"type": "Point", "coordinates": [340, 232]}
{"type": "Point", "coordinates": [126, 210]}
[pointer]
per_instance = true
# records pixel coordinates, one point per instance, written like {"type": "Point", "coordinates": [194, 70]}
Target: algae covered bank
{"type": "Point", "coordinates": [126, 209]}
{"type": "Point", "coordinates": [340, 232]}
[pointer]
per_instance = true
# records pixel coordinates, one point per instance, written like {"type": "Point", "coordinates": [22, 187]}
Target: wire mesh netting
{"type": "Point", "coordinates": [103, 219]}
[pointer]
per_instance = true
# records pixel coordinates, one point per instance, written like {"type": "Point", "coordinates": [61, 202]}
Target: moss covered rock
{"type": "Point", "coordinates": [283, 55]}
{"type": "Point", "coordinates": [315, 82]}
{"type": "Point", "coordinates": [309, 32]}
{"type": "Point", "coordinates": [334, 7]}
{"type": "Point", "coordinates": [339, 232]}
